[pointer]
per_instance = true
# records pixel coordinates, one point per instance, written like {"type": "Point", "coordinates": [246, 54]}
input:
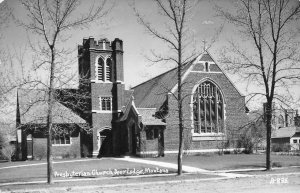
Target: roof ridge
{"type": "Point", "coordinates": [183, 66]}
{"type": "Point", "coordinates": [154, 77]}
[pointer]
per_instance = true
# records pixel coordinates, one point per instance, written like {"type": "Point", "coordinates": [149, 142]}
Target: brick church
{"type": "Point", "coordinates": [141, 121]}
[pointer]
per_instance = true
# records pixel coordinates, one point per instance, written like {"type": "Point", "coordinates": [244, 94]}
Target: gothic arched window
{"type": "Point", "coordinates": [208, 109]}
{"type": "Point", "coordinates": [281, 120]}
{"type": "Point", "coordinates": [100, 69]}
{"type": "Point", "coordinates": [108, 69]}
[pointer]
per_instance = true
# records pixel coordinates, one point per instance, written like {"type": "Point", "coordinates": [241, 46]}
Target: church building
{"type": "Point", "coordinates": [143, 121]}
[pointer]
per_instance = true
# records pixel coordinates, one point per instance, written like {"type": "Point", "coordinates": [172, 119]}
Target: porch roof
{"type": "Point", "coordinates": [148, 117]}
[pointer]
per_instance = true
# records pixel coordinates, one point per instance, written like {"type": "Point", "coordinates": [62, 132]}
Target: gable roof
{"type": "Point", "coordinates": [145, 115]}
{"type": "Point", "coordinates": [206, 57]}
{"type": "Point", "coordinates": [285, 132]}
{"type": "Point", "coordinates": [127, 97]}
{"type": "Point", "coordinates": [152, 93]}
{"type": "Point", "coordinates": [126, 109]}
{"type": "Point", "coordinates": [33, 109]}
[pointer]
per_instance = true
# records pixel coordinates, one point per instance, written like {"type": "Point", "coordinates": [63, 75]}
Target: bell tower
{"type": "Point", "coordinates": [101, 74]}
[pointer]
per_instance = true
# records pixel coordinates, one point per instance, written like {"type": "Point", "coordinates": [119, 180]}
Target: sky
{"type": "Point", "coordinates": [122, 23]}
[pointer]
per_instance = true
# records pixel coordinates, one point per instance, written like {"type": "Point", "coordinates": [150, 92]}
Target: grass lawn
{"type": "Point", "coordinates": [231, 161]}
{"type": "Point", "coordinates": [95, 167]}
{"type": "Point", "coordinates": [107, 167]}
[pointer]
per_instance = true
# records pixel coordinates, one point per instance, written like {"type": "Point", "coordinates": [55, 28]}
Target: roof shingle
{"type": "Point", "coordinates": [33, 109]}
{"type": "Point", "coordinates": [285, 132]}
{"type": "Point", "coordinates": [152, 93]}
{"type": "Point", "coordinates": [148, 117]}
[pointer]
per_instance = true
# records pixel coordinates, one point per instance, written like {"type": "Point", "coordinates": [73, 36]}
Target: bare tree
{"type": "Point", "coordinates": [177, 37]}
{"type": "Point", "coordinates": [270, 30]}
{"type": "Point", "coordinates": [10, 59]}
{"type": "Point", "coordinates": [5, 13]}
{"type": "Point", "coordinates": [51, 21]}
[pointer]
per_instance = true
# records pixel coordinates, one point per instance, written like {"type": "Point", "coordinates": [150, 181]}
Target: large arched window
{"type": "Point", "coordinates": [100, 69]}
{"type": "Point", "coordinates": [208, 109]}
{"type": "Point", "coordinates": [108, 69]}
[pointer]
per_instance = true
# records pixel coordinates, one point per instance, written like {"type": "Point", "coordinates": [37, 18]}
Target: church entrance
{"type": "Point", "coordinates": [105, 143]}
{"type": "Point", "coordinates": [131, 139]}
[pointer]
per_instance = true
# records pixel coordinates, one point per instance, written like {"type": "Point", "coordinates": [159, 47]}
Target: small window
{"type": "Point", "coordinates": [61, 140]}
{"type": "Point", "coordinates": [206, 67]}
{"type": "Point", "coordinates": [152, 134]}
{"type": "Point", "coordinates": [105, 103]}
{"type": "Point", "coordinates": [295, 141]}
{"type": "Point", "coordinates": [149, 134]}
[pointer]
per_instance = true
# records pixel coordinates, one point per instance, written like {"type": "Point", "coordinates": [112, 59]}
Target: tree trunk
{"type": "Point", "coordinates": [49, 157]}
{"type": "Point", "coordinates": [180, 151]}
{"type": "Point", "coordinates": [49, 122]}
{"type": "Point", "coordinates": [269, 129]}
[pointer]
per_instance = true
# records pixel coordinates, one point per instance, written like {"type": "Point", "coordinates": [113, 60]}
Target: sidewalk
{"type": "Point", "coordinates": [187, 169]}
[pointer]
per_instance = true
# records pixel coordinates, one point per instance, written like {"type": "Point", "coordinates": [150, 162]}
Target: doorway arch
{"type": "Point", "coordinates": [105, 141]}
{"type": "Point", "coordinates": [132, 138]}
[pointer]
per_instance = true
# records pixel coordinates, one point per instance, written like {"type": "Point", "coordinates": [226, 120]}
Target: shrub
{"type": "Point", "coordinates": [237, 151]}
{"type": "Point", "coordinates": [245, 141]}
{"type": "Point", "coordinates": [276, 164]}
{"type": "Point", "coordinates": [74, 151]}
{"type": "Point", "coordinates": [67, 155]}
{"type": "Point", "coordinates": [40, 152]}
{"type": "Point", "coordinates": [222, 145]}
{"type": "Point", "coordinates": [281, 147]}
{"type": "Point", "coordinates": [276, 148]}
{"type": "Point", "coordinates": [8, 151]}
{"type": "Point", "coordinates": [227, 152]}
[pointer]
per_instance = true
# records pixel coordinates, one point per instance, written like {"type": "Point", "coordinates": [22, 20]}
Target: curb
{"type": "Point", "coordinates": [91, 187]}
{"type": "Point", "coordinates": [86, 187]}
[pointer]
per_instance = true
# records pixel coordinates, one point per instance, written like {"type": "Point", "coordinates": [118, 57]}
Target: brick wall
{"type": "Point", "coordinates": [149, 148]}
{"type": "Point", "coordinates": [234, 111]}
{"type": "Point", "coordinates": [283, 140]}
{"type": "Point", "coordinates": [62, 151]}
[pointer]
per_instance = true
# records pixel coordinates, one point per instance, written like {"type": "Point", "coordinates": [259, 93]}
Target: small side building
{"type": "Point", "coordinates": [287, 135]}
{"type": "Point", "coordinates": [32, 127]}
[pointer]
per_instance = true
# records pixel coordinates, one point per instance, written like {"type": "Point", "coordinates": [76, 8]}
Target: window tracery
{"type": "Point", "coordinates": [208, 109]}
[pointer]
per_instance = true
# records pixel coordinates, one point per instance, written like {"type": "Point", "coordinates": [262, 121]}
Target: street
{"type": "Point", "coordinates": [261, 184]}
